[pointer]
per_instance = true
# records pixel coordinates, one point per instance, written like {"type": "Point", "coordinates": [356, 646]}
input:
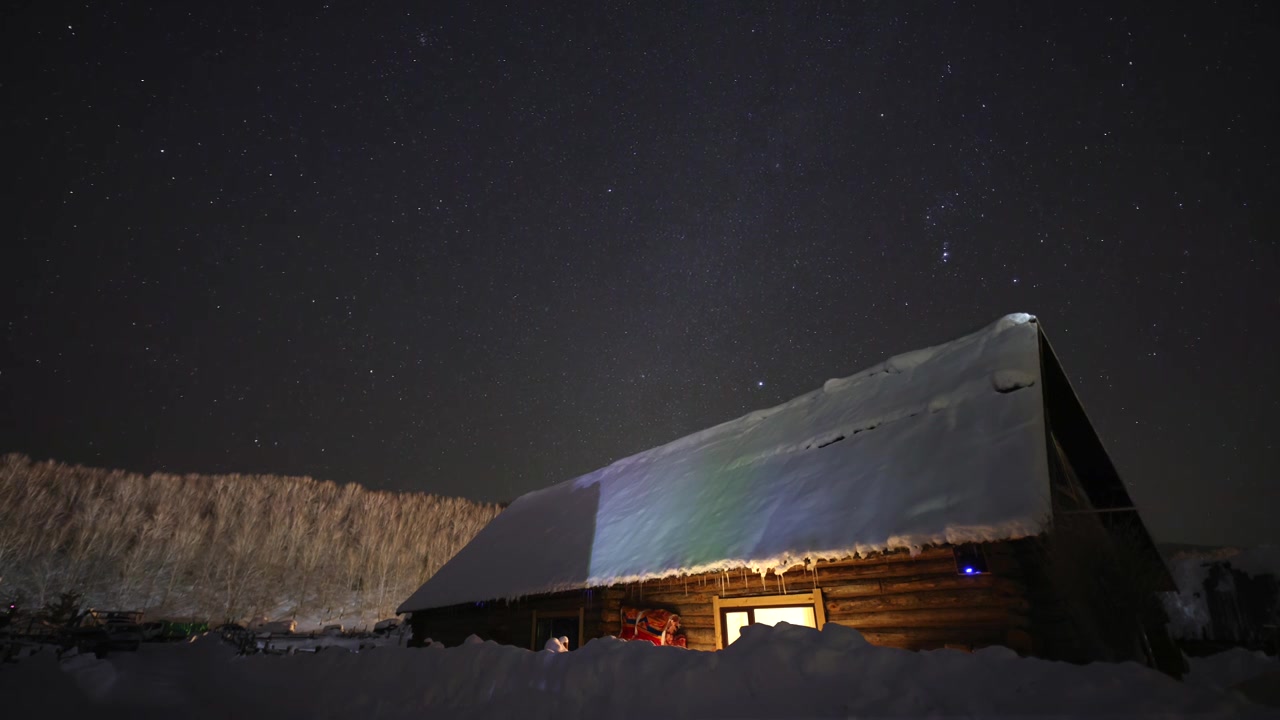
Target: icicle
{"type": "Point", "coordinates": [764, 586]}
{"type": "Point", "coordinates": [782, 580]}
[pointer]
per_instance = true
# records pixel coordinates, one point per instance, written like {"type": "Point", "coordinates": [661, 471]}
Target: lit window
{"type": "Point", "coordinates": [733, 614]}
{"type": "Point", "coordinates": [733, 624]}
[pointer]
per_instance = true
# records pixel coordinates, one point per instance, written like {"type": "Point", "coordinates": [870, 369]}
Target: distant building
{"type": "Point", "coordinates": [955, 496]}
{"type": "Point", "coordinates": [1226, 597]}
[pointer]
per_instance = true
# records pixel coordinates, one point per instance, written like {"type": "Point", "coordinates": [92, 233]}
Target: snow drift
{"type": "Point", "coordinates": [782, 671]}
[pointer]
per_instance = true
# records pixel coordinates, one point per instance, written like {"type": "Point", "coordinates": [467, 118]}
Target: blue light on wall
{"type": "Point", "coordinates": [969, 559]}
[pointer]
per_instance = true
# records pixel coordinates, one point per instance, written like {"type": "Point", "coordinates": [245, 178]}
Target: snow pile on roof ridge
{"type": "Point", "coordinates": [939, 445]}
{"type": "Point", "coordinates": [894, 365]}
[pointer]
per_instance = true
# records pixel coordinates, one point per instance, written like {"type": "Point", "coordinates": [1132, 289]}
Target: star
{"type": "Point", "coordinates": [401, 236]}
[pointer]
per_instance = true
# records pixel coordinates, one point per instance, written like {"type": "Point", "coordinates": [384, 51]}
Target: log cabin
{"type": "Point", "coordinates": [950, 497]}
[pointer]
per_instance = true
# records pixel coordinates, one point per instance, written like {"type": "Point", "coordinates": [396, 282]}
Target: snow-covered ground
{"type": "Point", "coordinates": [1237, 668]}
{"type": "Point", "coordinates": [783, 671]}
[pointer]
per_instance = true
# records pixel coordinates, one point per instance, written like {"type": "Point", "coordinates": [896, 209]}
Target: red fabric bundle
{"type": "Point", "coordinates": [629, 618]}
{"type": "Point", "coordinates": [656, 626]}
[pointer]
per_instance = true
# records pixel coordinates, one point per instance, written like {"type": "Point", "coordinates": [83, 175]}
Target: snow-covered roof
{"type": "Point", "coordinates": [940, 445]}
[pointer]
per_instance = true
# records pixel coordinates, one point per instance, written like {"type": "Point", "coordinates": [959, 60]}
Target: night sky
{"type": "Point", "coordinates": [479, 250]}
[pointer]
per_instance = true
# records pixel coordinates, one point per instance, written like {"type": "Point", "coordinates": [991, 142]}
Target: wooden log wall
{"type": "Point", "coordinates": [894, 599]}
{"type": "Point", "coordinates": [507, 622]}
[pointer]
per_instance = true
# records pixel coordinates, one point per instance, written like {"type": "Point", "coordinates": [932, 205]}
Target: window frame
{"type": "Point", "coordinates": [580, 613]}
{"type": "Point", "coordinates": [719, 606]}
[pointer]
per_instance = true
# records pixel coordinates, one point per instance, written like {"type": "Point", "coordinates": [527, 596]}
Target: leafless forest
{"type": "Point", "coordinates": [221, 547]}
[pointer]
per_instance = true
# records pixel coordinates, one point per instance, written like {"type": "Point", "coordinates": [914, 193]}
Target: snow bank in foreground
{"type": "Point", "coordinates": [783, 671]}
{"type": "Point", "coordinates": [1254, 675]}
{"type": "Point", "coordinates": [1230, 668]}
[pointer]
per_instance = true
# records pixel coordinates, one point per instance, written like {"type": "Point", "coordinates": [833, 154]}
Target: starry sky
{"type": "Point", "coordinates": [476, 249]}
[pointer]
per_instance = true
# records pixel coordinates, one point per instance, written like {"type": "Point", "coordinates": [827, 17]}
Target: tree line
{"type": "Point", "coordinates": [221, 547]}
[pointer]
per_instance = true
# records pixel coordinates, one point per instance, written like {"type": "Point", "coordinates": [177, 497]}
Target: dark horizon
{"type": "Point", "coordinates": [476, 252]}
